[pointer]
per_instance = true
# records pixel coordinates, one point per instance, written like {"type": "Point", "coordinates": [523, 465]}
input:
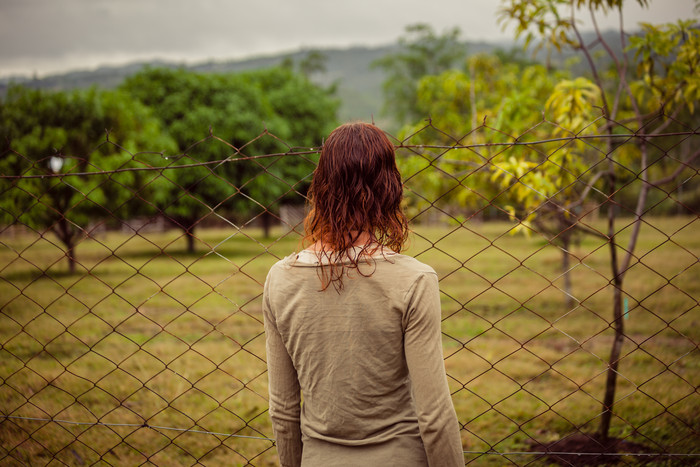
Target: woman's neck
{"type": "Point", "coordinates": [357, 239]}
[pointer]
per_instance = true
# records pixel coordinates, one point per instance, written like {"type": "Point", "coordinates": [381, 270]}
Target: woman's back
{"type": "Point", "coordinates": [353, 350]}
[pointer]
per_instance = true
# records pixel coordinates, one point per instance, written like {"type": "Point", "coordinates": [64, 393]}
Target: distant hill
{"type": "Point", "coordinates": [359, 86]}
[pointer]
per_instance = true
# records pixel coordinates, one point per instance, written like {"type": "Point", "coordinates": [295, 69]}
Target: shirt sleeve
{"type": "Point", "coordinates": [284, 390]}
{"type": "Point", "coordinates": [437, 419]}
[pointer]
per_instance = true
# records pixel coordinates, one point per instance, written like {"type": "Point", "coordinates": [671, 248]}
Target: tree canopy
{"type": "Point", "coordinates": [422, 52]}
{"type": "Point", "coordinates": [250, 114]}
{"type": "Point", "coordinates": [77, 150]}
{"type": "Point", "coordinates": [65, 136]}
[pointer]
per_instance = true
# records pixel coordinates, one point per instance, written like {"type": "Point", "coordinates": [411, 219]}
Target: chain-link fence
{"type": "Point", "coordinates": [130, 293]}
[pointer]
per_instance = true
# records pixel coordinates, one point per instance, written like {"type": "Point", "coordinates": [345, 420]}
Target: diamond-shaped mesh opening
{"type": "Point", "coordinates": [151, 350]}
{"type": "Point", "coordinates": [231, 450]}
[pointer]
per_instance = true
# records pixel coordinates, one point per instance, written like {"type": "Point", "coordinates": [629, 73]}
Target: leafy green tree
{"type": "Point", "coordinates": [58, 143]}
{"type": "Point", "coordinates": [243, 111]}
{"type": "Point", "coordinates": [507, 97]}
{"type": "Point", "coordinates": [665, 84]}
{"type": "Point", "coordinates": [550, 189]}
{"type": "Point", "coordinates": [538, 186]}
{"type": "Point", "coordinates": [422, 52]}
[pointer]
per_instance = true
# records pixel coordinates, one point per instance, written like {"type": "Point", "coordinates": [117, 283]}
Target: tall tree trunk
{"type": "Point", "coordinates": [613, 363]}
{"type": "Point", "coordinates": [611, 380]}
{"type": "Point", "coordinates": [619, 270]}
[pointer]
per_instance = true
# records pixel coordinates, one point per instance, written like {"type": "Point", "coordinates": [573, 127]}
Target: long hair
{"type": "Point", "coordinates": [356, 189]}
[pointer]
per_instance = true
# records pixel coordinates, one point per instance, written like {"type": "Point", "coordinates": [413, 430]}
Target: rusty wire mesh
{"type": "Point", "coordinates": [138, 338]}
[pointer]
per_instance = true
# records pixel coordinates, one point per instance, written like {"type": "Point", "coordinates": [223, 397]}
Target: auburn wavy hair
{"type": "Point", "coordinates": [355, 201]}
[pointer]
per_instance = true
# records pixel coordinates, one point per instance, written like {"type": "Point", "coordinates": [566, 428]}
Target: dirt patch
{"type": "Point", "coordinates": [582, 449]}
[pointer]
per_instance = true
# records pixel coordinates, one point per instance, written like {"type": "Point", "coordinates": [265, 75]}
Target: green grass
{"type": "Point", "coordinates": [145, 333]}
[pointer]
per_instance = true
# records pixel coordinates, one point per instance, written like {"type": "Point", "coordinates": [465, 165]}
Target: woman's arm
{"type": "Point", "coordinates": [285, 394]}
{"type": "Point", "coordinates": [423, 349]}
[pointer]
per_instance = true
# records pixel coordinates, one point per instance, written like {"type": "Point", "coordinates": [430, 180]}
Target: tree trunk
{"type": "Point", "coordinates": [619, 271]}
{"type": "Point", "coordinates": [66, 234]}
{"type": "Point", "coordinates": [70, 255]}
{"type": "Point", "coordinates": [266, 220]}
{"type": "Point", "coordinates": [613, 362]}
{"type": "Point", "coordinates": [187, 226]}
{"type": "Point", "coordinates": [562, 235]}
{"type": "Point", "coordinates": [189, 234]}
{"type": "Point", "coordinates": [565, 266]}
{"type": "Point", "coordinates": [611, 380]}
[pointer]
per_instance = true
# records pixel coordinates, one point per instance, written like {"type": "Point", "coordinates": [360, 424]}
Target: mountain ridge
{"type": "Point", "coordinates": [358, 84]}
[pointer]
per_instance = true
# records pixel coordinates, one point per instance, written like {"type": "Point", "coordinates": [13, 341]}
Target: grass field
{"type": "Point", "coordinates": [145, 334]}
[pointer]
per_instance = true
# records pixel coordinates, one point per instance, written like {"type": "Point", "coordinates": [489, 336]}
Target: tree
{"type": "Point", "coordinates": [541, 186]}
{"type": "Point", "coordinates": [243, 111]}
{"type": "Point", "coordinates": [552, 189]}
{"type": "Point", "coordinates": [468, 106]}
{"type": "Point", "coordinates": [421, 52]}
{"type": "Point", "coordinates": [63, 135]}
{"type": "Point", "coordinates": [666, 84]}
{"type": "Point", "coordinates": [314, 62]}
{"type": "Point", "coordinates": [308, 113]}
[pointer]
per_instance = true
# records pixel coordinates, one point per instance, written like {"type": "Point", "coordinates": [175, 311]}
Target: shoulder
{"type": "Point", "coordinates": [403, 274]}
{"type": "Point", "coordinates": [280, 268]}
{"type": "Point", "coordinates": [411, 264]}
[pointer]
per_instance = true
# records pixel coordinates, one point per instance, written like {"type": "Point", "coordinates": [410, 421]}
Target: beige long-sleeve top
{"type": "Point", "coordinates": [368, 362]}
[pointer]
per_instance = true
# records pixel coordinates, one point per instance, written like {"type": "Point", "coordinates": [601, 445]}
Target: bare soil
{"type": "Point", "coordinates": [583, 449]}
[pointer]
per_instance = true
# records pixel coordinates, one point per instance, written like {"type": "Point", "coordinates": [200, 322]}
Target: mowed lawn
{"type": "Point", "coordinates": [150, 354]}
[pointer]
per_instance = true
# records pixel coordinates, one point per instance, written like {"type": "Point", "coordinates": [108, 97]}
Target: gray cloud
{"type": "Point", "coordinates": [45, 35]}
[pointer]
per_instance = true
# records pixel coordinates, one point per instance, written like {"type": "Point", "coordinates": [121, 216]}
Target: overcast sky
{"type": "Point", "coordinates": [48, 36]}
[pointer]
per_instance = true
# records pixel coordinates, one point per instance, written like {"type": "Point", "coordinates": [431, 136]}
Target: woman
{"type": "Point", "coordinates": [354, 326]}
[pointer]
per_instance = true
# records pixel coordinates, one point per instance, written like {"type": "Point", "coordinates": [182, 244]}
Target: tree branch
{"type": "Point", "coordinates": [591, 63]}
{"type": "Point", "coordinates": [684, 165]}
